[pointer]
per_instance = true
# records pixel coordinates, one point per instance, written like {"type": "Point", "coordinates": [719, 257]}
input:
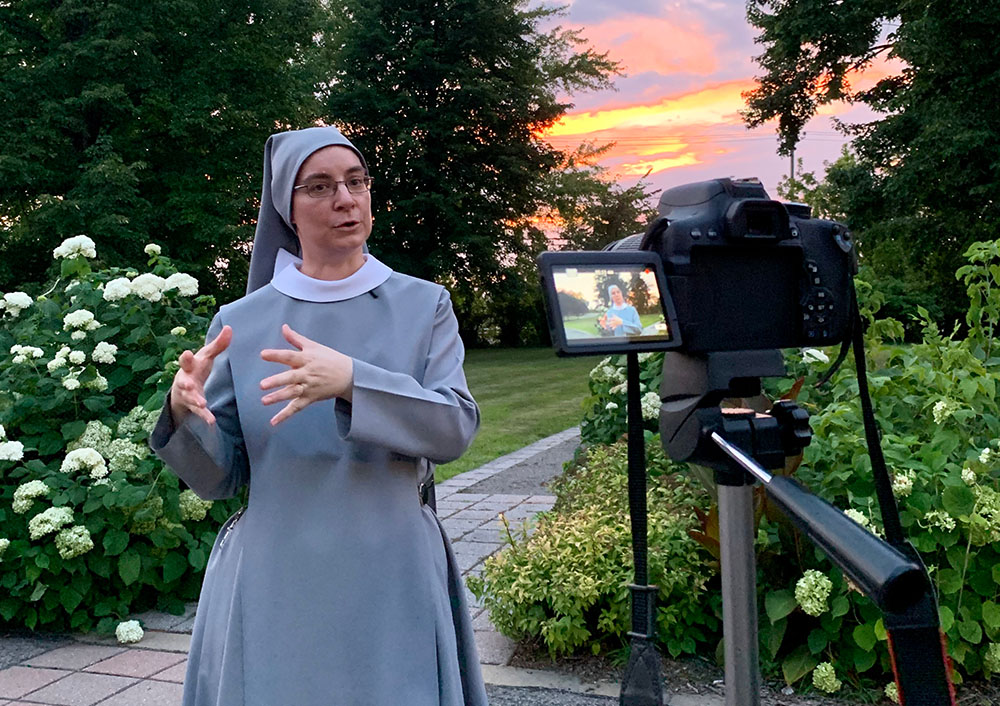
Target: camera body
{"type": "Point", "coordinates": [749, 273]}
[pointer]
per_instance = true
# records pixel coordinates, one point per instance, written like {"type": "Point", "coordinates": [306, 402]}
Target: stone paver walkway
{"type": "Point", "coordinates": [94, 671]}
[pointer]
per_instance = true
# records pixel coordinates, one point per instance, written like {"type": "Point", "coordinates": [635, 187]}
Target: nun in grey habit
{"type": "Point", "coordinates": [326, 389]}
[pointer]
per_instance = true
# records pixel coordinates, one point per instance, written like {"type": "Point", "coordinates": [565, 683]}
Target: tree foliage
{"type": "Point", "coordinates": [924, 182]}
{"type": "Point", "coordinates": [133, 122]}
{"type": "Point", "coordinates": [448, 99]}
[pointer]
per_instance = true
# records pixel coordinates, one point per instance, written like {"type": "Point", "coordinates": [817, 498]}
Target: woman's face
{"type": "Point", "coordinates": [616, 296]}
{"type": "Point", "coordinates": [336, 224]}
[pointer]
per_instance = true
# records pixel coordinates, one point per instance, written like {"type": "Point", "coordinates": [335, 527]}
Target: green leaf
{"type": "Point", "coordinates": [864, 659]}
{"type": "Point", "coordinates": [115, 542]}
{"type": "Point", "coordinates": [958, 501]}
{"type": "Point", "coordinates": [175, 565]}
{"type": "Point", "coordinates": [798, 664]}
{"type": "Point", "coordinates": [70, 598]}
{"type": "Point", "coordinates": [779, 604]}
{"type": "Point", "coordinates": [970, 631]}
{"type": "Point", "coordinates": [949, 580]}
{"type": "Point", "coordinates": [991, 615]}
{"type": "Point", "coordinates": [129, 566]}
{"type": "Point", "coordinates": [817, 640]}
{"type": "Point", "coordinates": [864, 636]}
{"type": "Point", "coordinates": [198, 559]}
{"type": "Point", "coordinates": [40, 589]}
{"type": "Point", "coordinates": [839, 606]}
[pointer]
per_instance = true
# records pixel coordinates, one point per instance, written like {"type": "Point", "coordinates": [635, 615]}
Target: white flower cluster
{"type": "Point", "coordinates": [606, 372]}
{"type": "Point", "coordinates": [968, 476]}
{"type": "Point", "coordinates": [74, 541]}
{"type": "Point", "coordinates": [85, 459]}
{"type": "Point", "coordinates": [23, 353]}
{"type": "Point", "coordinates": [858, 516]}
{"type": "Point", "coordinates": [10, 450]}
{"type": "Point", "coordinates": [26, 493]}
{"type": "Point", "coordinates": [984, 525]}
{"type": "Point", "coordinates": [59, 360]}
{"type": "Point", "coordinates": [81, 319]}
{"type": "Point", "coordinates": [650, 405]}
{"type": "Point", "coordinates": [939, 519]}
{"type": "Point", "coordinates": [4, 543]}
{"type": "Point", "coordinates": [192, 507]}
{"type": "Point", "coordinates": [123, 455]}
{"type": "Point", "coordinates": [15, 302]}
{"type": "Point", "coordinates": [149, 286]}
{"type": "Point", "coordinates": [128, 632]}
{"type": "Point", "coordinates": [812, 592]}
{"type": "Point", "coordinates": [944, 409]}
{"type": "Point", "coordinates": [138, 420]}
{"type": "Point", "coordinates": [891, 692]}
{"type": "Point", "coordinates": [825, 678]}
{"type": "Point", "coordinates": [117, 289]}
{"type": "Point", "coordinates": [77, 246]}
{"type": "Point", "coordinates": [814, 355]}
{"type": "Point", "coordinates": [988, 456]}
{"type": "Point", "coordinates": [152, 249]}
{"type": "Point", "coordinates": [96, 435]}
{"type": "Point", "coordinates": [49, 521]}
{"type": "Point", "coordinates": [991, 660]}
{"type": "Point", "coordinates": [185, 284]}
{"type": "Point", "coordinates": [902, 483]}
{"type": "Point", "coordinates": [178, 331]}
{"type": "Point", "coordinates": [104, 352]}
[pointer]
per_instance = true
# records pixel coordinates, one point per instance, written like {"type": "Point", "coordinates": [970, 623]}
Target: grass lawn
{"type": "Point", "coordinates": [524, 395]}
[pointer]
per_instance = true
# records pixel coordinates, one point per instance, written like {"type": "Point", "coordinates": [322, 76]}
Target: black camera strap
{"type": "Point", "coordinates": [916, 644]}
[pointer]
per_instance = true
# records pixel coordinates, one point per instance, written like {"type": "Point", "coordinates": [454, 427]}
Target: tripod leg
{"type": "Point", "coordinates": [739, 595]}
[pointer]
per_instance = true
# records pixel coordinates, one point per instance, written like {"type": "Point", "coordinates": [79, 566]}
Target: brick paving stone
{"type": "Point", "coordinates": [166, 641]}
{"type": "Point", "coordinates": [460, 525]}
{"type": "Point", "coordinates": [175, 674]}
{"type": "Point", "coordinates": [471, 497]}
{"type": "Point", "coordinates": [187, 626]}
{"type": "Point", "coordinates": [509, 499]}
{"type": "Point", "coordinates": [482, 622]}
{"type": "Point", "coordinates": [17, 681]}
{"type": "Point", "coordinates": [73, 656]}
{"type": "Point", "coordinates": [474, 514]}
{"type": "Point", "coordinates": [487, 534]}
{"type": "Point", "coordinates": [81, 689]}
{"type": "Point", "coordinates": [479, 549]}
{"type": "Point", "coordinates": [493, 506]}
{"type": "Point", "coordinates": [467, 561]}
{"type": "Point", "coordinates": [493, 647]}
{"type": "Point", "coordinates": [544, 499]}
{"type": "Point", "coordinates": [148, 693]}
{"type": "Point", "coordinates": [137, 663]}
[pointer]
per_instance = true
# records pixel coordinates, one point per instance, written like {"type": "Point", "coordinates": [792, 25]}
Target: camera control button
{"type": "Point", "coordinates": [696, 233]}
{"type": "Point", "coordinates": [713, 233]}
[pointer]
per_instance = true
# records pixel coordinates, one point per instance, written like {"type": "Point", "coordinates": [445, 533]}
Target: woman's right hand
{"type": "Point", "coordinates": [187, 394]}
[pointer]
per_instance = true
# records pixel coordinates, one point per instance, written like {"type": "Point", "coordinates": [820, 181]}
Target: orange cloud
{"type": "Point", "coordinates": [643, 43]}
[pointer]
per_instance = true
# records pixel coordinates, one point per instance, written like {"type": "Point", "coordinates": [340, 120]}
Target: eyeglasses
{"type": "Point", "coordinates": [322, 189]}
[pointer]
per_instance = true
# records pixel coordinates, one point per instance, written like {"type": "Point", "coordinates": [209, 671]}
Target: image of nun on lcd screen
{"type": "Point", "coordinates": [604, 302]}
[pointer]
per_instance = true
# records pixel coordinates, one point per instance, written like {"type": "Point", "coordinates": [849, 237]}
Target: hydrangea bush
{"type": "Point", "coordinates": [606, 417]}
{"type": "Point", "coordinates": [936, 405]}
{"type": "Point", "coordinates": [565, 586]}
{"type": "Point", "coordinates": [92, 527]}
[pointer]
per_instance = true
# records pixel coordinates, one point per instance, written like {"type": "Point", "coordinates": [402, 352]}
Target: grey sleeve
{"type": "Point", "coordinates": [211, 459]}
{"type": "Point", "coordinates": [434, 419]}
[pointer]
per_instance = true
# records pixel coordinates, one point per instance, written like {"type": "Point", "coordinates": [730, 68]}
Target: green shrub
{"type": "Point", "coordinates": [566, 585]}
{"type": "Point", "coordinates": [605, 419]}
{"type": "Point", "coordinates": [91, 527]}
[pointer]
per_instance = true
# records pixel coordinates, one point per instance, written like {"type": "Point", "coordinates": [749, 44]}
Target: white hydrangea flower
{"type": "Point", "coordinates": [858, 516]}
{"type": "Point", "coordinates": [3, 432]}
{"type": "Point", "coordinates": [149, 286]}
{"type": "Point", "coordinates": [85, 459]}
{"type": "Point", "coordinates": [136, 421]}
{"type": "Point", "coordinates": [104, 352]}
{"type": "Point", "coordinates": [941, 520]}
{"type": "Point", "coordinates": [123, 455]}
{"type": "Point", "coordinates": [991, 660]}
{"type": "Point", "coordinates": [74, 541]}
{"type": "Point", "coordinates": [988, 456]}
{"type": "Point", "coordinates": [185, 284]}
{"type": "Point", "coordinates": [968, 476]}
{"type": "Point", "coordinates": [152, 249]}
{"type": "Point", "coordinates": [178, 331]}
{"type": "Point", "coordinates": [812, 592]}
{"type": "Point", "coordinates": [944, 409]}
{"type": "Point", "coordinates": [4, 543]}
{"type": "Point", "coordinates": [71, 383]}
{"type": "Point", "coordinates": [80, 319]}
{"type": "Point", "coordinates": [96, 435]}
{"type": "Point", "coordinates": [902, 483]}
{"type": "Point", "coordinates": [26, 493]}
{"type": "Point", "coordinates": [11, 450]}
{"type": "Point", "coordinates": [99, 383]}
{"type": "Point", "coordinates": [192, 507]}
{"type": "Point", "coordinates": [128, 632]}
{"type": "Point", "coordinates": [77, 246]}
{"type": "Point", "coordinates": [117, 289]}
{"type": "Point", "coordinates": [77, 357]}
{"type": "Point", "coordinates": [16, 302]}
{"type": "Point", "coordinates": [814, 355]}
{"type": "Point", "coordinates": [78, 335]}
{"type": "Point", "coordinates": [49, 521]}
{"type": "Point", "coordinates": [825, 678]}
{"type": "Point", "coordinates": [650, 405]}
{"type": "Point", "coordinates": [891, 692]}
{"type": "Point", "coordinates": [610, 406]}
{"type": "Point", "coordinates": [55, 364]}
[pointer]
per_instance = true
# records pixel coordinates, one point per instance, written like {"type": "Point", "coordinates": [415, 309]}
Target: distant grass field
{"type": "Point", "coordinates": [587, 323]}
{"type": "Point", "coordinates": [524, 395]}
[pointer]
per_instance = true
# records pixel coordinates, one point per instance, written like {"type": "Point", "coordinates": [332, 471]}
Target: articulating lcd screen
{"type": "Point", "coordinates": [609, 304]}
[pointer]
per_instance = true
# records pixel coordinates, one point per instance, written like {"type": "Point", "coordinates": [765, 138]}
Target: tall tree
{"type": "Point", "coordinates": [928, 170]}
{"type": "Point", "coordinates": [145, 121]}
{"type": "Point", "coordinates": [448, 99]}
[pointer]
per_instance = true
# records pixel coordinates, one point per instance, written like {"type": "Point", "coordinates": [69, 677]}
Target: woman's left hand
{"type": "Point", "coordinates": [317, 373]}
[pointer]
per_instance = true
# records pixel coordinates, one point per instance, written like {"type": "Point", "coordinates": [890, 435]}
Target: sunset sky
{"type": "Point", "coordinates": [676, 109]}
